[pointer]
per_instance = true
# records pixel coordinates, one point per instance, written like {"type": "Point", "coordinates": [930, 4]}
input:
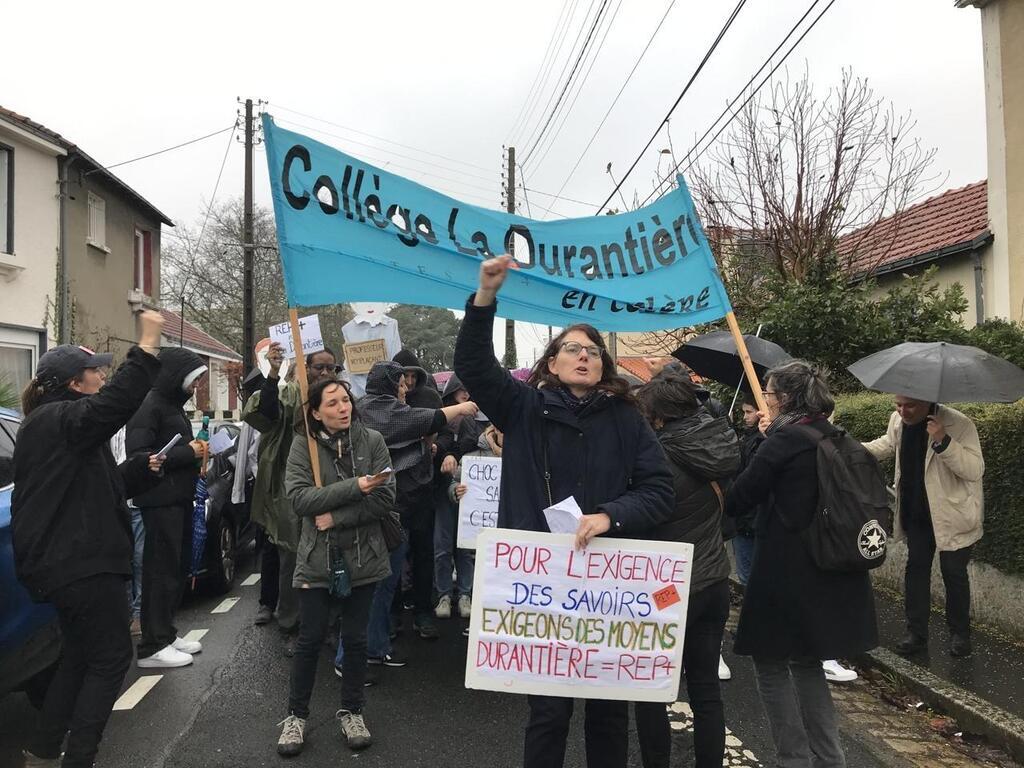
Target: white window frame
{"type": "Point", "coordinates": [97, 236]}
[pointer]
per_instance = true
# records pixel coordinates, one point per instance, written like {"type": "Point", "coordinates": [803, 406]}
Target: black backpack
{"type": "Point", "coordinates": [853, 521]}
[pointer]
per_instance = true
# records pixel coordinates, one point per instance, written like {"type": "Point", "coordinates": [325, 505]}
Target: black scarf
{"type": "Point", "coordinates": [576, 404]}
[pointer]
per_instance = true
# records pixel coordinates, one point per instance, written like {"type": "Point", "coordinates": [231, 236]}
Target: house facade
{"type": "Point", "coordinates": [29, 247]}
{"type": "Point", "coordinates": [1002, 31]}
{"type": "Point", "coordinates": [79, 249]}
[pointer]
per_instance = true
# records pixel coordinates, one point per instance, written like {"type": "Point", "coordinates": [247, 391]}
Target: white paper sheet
{"type": "Point", "coordinates": [564, 517]}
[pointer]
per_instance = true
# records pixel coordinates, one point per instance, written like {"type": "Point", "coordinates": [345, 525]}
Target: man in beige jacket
{"type": "Point", "coordinates": [939, 505]}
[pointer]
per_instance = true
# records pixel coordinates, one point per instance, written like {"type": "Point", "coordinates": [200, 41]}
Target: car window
{"type": "Point", "coordinates": [7, 431]}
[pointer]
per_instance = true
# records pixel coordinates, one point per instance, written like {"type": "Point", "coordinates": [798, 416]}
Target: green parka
{"type": "Point", "coordinates": [270, 506]}
{"type": "Point", "coordinates": [344, 458]}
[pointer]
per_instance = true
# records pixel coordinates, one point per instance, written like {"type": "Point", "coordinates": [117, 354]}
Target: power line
{"type": "Point", "coordinates": [543, 86]}
{"type": "Point", "coordinates": [532, 92]}
{"type": "Point", "coordinates": [568, 82]}
{"type": "Point", "coordinates": [379, 138]}
{"type": "Point", "coordinates": [560, 197]}
{"type": "Point", "coordinates": [162, 151]}
{"type": "Point", "coordinates": [616, 99]}
{"type": "Point", "coordinates": [753, 93]}
{"type": "Point", "coordinates": [700, 67]}
{"type": "Point", "coordinates": [216, 186]}
{"type": "Point", "coordinates": [581, 83]}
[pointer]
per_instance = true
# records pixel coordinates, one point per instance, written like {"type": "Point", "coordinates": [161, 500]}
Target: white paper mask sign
{"type": "Point", "coordinates": [564, 517]}
{"type": "Point", "coordinates": [479, 507]}
{"type": "Point", "coordinates": [309, 332]}
{"type": "Point", "coordinates": [220, 442]}
{"type": "Point", "coordinates": [606, 622]}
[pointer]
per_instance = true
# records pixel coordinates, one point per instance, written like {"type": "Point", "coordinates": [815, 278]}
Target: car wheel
{"type": "Point", "coordinates": [222, 565]}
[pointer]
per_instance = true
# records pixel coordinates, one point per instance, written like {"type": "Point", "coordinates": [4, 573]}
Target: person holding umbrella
{"type": "Point", "coordinates": [939, 469]}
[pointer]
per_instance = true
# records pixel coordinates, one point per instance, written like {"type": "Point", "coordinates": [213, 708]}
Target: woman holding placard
{"type": "Point", "coordinates": [572, 430]}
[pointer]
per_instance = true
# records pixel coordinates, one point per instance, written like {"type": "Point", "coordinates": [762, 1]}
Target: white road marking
{"type": "Point", "coordinates": [252, 581]}
{"type": "Point", "coordinates": [136, 692]}
{"type": "Point", "coordinates": [195, 635]}
{"type": "Point", "coordinates": [736, 755]}
{"type": "Point", "coordinates": [226, 606]}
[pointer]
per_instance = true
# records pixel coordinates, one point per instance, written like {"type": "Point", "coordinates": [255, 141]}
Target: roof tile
{"type": "Point", "coordinates": [194, 337]}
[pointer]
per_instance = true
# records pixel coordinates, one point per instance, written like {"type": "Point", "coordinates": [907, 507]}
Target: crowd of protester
{"type": "Point", "coordinates": [359, 520]}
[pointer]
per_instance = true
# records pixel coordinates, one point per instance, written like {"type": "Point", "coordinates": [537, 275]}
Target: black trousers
{"type": "Point", "coordinates": [97, 651]}
{"type": "Point", "coordinates": [705, 623]}
{"type": "Point", "coordinates": [166, 559]}
{"type": "Point", "coordinates": [606, 730]}
{"type": "Point", "coordinates": [421, 554]}
{"type": "Point", "coordinates": [269, 564]}
{"type": "Point", "coordinates": [918, 576]}
{"type": "Point", "coordinates": [315, 608]}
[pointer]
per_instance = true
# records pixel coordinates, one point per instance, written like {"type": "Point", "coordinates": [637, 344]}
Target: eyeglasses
{"type": "Point", "coordinates": [767, 393]}
{"type": "Point", "coordinates": [321, 367]}
{"type": "Point", "coordinates": [574, 348]}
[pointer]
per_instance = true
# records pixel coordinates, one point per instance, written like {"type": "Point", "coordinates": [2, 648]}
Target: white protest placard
{"type": "Point", "coordinates": [479, 507]}
{"type": "Point", "coordinates": [607, 622]}
{"type": "Point", "coordinates": [309, 332]}
{"type": "Point", "coordinates": [220, 442]}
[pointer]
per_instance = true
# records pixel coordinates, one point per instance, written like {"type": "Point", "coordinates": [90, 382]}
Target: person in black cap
{"type": "Point", "coordinates": [167, 508]}
{"type": "Point", "coordinates": [72, 532]}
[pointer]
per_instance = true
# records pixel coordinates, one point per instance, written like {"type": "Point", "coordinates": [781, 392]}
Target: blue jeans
{"type": "Point", "coordinates": [135, 584]}
{"type": "Point", "coordinates": [743, 551]}
{"type": "Point", "coordinates": [445, 534]}
{"type": "Point", "coordinates": [378, 628]}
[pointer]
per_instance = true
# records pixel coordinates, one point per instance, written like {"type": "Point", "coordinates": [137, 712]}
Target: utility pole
{"type": "Point", "coordinates": [248, 340]}
{"type": "Point", "coordinates": [511, 360]}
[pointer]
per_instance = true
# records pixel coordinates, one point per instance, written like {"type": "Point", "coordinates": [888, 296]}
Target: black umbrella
{"type": "Point", "coordinates": [714, 356]}
{"type": "Point", "coordinates": [937, 372]}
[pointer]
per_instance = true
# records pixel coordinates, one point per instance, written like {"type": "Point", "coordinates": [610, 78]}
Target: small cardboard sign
{"type": "Point", "coordinates": [309, 333]}
{"type": "Point", "coordinates": [360, 356]}
{"type": "Point", "coordinates": [666, 597]}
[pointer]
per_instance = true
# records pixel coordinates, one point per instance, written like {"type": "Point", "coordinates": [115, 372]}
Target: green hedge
{"type": "Point", "coordinates": [1000, 428]}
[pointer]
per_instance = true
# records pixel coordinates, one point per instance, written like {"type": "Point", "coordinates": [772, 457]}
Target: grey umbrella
{"type": "Point", "coordinates": [938, 372]}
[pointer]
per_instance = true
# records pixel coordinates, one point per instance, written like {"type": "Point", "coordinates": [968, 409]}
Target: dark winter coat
{"type": "Point", "coordinates": [456, 438]}
{"type": "Point", "coordinates": [343, 460]}
{"type": "Point", "coordinates": [700, 450]}
{"type": "Point", "coordinates": [160, 417]}
{"type": "Point", "coordinates": [606, 456]}
{"type": "Point", "coordinates": [792, 608]}
{"type": "Point", "coordinates": [69, 511]}
{"type": "Point", "coordinates": [750, 441]}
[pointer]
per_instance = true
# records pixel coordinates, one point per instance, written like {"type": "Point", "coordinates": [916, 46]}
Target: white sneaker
{"type": "Point", "coordinates": [837, 673]}
{"type": "Point", "coordinates": [444, 607]}
{"type": "Point", "coordinates": [191, 647]}
{"type": "Point", "coordinates": [724, 673]}
{"type": "Point", "coordinates": [465, 606]}
{"type": "Point", "coordinates": [167, 657]}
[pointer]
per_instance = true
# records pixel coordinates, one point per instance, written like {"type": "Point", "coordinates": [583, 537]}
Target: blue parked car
{"type": "Point", "coordinates": [29, 633]}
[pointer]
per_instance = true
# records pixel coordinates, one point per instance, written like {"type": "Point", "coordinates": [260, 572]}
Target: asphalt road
{"type": "Point", "coordinates": [223, 712]}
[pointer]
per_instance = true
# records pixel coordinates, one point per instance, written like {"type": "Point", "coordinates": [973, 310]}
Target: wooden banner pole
{"type": "Point", "coordinates": [300, 373]}
{"type": "Point", "coordinates": [748, 364]}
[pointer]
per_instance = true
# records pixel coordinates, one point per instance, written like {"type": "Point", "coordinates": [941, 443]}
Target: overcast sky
{"type": "Point", "coordinates": [448, 81]}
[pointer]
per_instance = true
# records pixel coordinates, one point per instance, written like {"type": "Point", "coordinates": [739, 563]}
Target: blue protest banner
{"type": "Point", "coordinates": [348, 231]}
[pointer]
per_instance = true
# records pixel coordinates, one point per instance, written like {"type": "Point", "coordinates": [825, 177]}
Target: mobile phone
{"type": "Point", "coordinates": [933, 410]}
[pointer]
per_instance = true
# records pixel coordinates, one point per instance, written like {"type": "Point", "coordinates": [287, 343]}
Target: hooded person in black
{"type": "Point", "coordinates": [167, 509]}
{"type": "Point", "coordinates": [407, 431]}
{"type": "Point", "coordinates": [71, 531]}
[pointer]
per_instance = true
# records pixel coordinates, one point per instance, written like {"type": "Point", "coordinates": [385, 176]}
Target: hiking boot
{"type": "Point", "coordinates": [191, 647]}
{"type": "Point", "coordinates": [444, 607]}
{"type": "Point", "coordinates": [837, 673]}
{"type": "Point", "coordinates": [31, 761]}
{"type": "Point", "coordinates": [354, 729]}
{"type": "Point", "coordinates": [293, 736]}
{"type": "Point", "coordinates": [911, 644]}
{"type": "Point", "coordinates": [426, 627]}
{"type": "Point", "coordinates": [465, 606]}
{"type": "Point", "coordinates": [388, 660]}
{"type": "Point", "coordinates": [960, 646]}
{"type": "Point", "coordinates": [263, 615]}
{"type": "Point", "coordinates": [166, 658]}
